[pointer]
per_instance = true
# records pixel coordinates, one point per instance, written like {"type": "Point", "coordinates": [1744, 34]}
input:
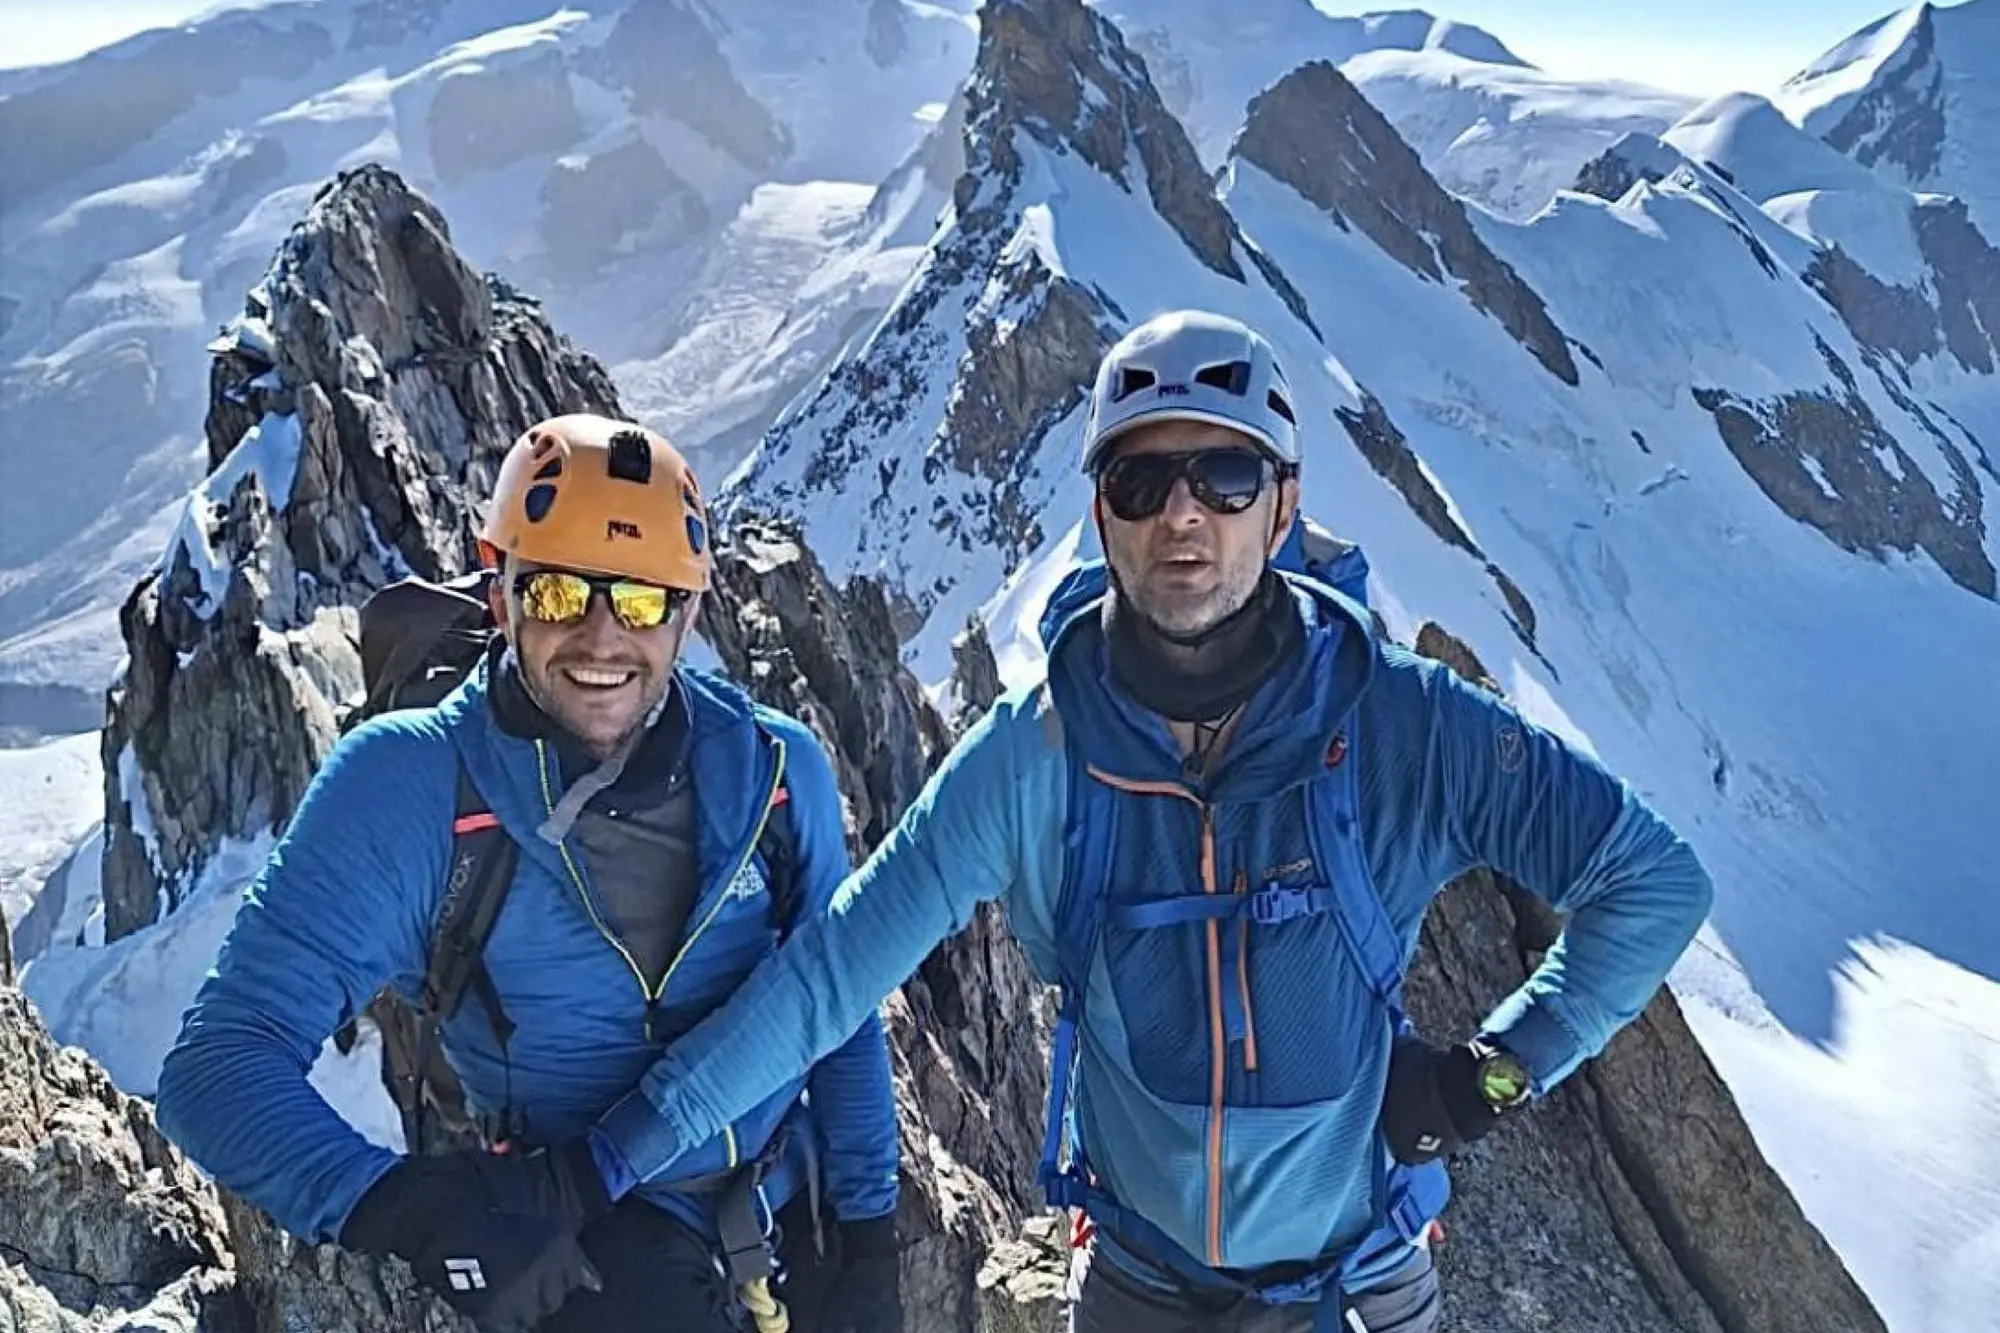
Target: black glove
{"type": "Point", "coordinates": [1432, 1105]}
{"type": "Point", "coordinates": [495, 1236]}
{"type": "Point", "coordinates": [865, 1294]}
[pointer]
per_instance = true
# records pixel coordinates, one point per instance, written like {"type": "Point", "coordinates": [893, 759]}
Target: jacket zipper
{"type": "Point", "coordinates": [653, 994]}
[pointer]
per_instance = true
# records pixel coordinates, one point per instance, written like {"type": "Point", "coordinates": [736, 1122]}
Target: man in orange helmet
{"type": "Point", "coordinates": [639, 802]}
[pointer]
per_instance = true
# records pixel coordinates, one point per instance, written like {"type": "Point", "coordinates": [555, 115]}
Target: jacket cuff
{"type": "Point", "coordinates": [632, 1144]}
{"type": "Point", "coordinates": [1537, 1037]}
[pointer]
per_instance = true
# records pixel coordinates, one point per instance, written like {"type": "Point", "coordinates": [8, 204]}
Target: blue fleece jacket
{"type": "Point", "coordinates": [348, 902]}
{"type": "Point", "coordinates": [1450, 778]}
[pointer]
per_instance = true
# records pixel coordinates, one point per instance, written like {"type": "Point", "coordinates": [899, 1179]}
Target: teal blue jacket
{"type": "Point", "coordinates": [1450, 777]}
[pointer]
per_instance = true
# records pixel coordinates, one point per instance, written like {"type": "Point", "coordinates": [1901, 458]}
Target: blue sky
{"type": "Point", "coordinates": [1696, 46]}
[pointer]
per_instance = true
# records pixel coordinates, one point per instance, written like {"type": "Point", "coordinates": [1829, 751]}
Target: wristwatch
{"type": "Point", "coordinates": [1503, 1081]}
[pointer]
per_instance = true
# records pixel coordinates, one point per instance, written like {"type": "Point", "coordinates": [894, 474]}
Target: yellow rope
{"type": "Point", "coordinates": [768, 1311]}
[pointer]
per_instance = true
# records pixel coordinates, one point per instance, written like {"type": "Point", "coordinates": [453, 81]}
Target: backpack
{"type": "Point", "coordinates": [419, 640]}
{"type": "Point", "coordinates": [1409, 1198]}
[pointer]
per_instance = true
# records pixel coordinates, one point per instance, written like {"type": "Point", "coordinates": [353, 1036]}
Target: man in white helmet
{"type": "Point", "coordinates": [1217, 823]}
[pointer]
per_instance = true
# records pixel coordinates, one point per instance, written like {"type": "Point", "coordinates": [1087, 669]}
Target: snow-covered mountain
{"type": "Point", "coordinates": [716, 199]}
{"type": "Point", "coordinates": [613, 160]}
{"type": "Point", "coordinates": [1913, 97]}
{"type": "Point", "coordinates": [1507, 135]}
{"type": "Point", "coordinates": [1687, 494]}
{"type": "Point", "coordinates": [1207, 61]}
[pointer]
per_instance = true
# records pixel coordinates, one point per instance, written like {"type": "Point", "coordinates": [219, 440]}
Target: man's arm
{"type": "Point", "coordinates": [1519, 799]}
{"type": "Point", "coordinates": [853, 1092]}
{"type": "Point", "coordinates": [336, 913]}
{"type": "Point", "coordinates": [958, 845]}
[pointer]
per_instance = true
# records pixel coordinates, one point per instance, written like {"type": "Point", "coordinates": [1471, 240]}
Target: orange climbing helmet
{"type": "Point", "coordinates": [589, 493]}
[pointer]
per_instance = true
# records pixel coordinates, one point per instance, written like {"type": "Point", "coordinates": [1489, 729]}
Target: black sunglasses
{"type": "Point", "coordinates": [1223, 481]}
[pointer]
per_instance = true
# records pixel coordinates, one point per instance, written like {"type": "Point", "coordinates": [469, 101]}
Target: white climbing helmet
{"type": "Point", "coordinates": [1190, 365]}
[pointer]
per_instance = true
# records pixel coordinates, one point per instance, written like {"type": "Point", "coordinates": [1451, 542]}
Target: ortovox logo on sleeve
{"type": "Point", "coordinates": [465, 1274]}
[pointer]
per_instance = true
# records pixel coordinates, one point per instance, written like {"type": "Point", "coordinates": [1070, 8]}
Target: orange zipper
{"type": "Point", "coordinates": [1217, 1042]}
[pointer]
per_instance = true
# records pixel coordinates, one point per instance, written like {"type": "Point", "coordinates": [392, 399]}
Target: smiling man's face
{"type": "Point", "coordinates": [1187, 567]}
{"type": "Point", "coordinates": [597, 679]}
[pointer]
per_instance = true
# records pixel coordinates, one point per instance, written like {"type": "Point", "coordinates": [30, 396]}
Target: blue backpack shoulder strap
{"type": "Point", "coordinates": [1335, 831]}
{"type": "Point", "coordinates": [1089, 827]}
{"type": "Point", "coordinates": [1407, 1198]}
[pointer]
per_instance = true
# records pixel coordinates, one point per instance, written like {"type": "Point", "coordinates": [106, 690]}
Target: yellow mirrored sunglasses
{"type": "Point", "coordinates": [562, 597]}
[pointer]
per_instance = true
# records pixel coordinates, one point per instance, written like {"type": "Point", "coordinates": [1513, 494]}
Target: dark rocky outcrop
{"type": "Point", "coordinates": [663, 57]}
{"type": "Point", "coordinates": [401, 375]}
{"type": "Point", "coordinates": [1956, 310]}
{"type": "Point", "coordinates": [1314, 131]}
{"type": "Point", "coordinates": [1965, 270]}
{"type": "Point", "coordinates": [1635, 157]}
{"type": "Point", "coordinates": [1825, 458]}
{"type": "Point", "coordinates": [1063, 75]}
{"type": "Point", "coordinates": [1897, 320]}
{"type": "Point", "coordinates": [1899, 120]}
{"type": "Point", "coordinates": [483, 120]}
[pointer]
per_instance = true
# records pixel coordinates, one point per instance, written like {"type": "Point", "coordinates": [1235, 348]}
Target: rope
{"type": "Point", "coordinates": [766, 1309]}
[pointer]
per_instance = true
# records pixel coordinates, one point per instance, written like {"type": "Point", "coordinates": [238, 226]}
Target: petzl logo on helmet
{"type": "Point", "coordinates": [618, 527]}
{"type": "Point", "coordinates": [1172, 391]}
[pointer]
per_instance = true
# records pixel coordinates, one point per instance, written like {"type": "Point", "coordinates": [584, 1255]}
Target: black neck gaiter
{"type": "Point", "coordinates": [1206, 680]}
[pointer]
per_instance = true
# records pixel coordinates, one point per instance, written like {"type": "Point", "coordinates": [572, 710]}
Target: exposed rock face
{"type": "Point", "coordinates": [1633, 158]}
{"type": "Point", "coordinates": [398, 376]}
{"type": "Point", "coordinates": [666, 61]}
{"type": "Point", "coordinates": [1966, 271]}
{"type": "Point", "coordinates": [591, 205]}
{"type": "Point", "coordinates": [483, 121]}
{"type": "Point", "coordinates": [1062, 74]}
{"type": "Point", "coordinates": [1821, 457]}
{"type": "Point", "coordinates": [1314, 131]}
{"type": "Point", "coordinates": [1888, 318]}
{"type": "Point", "coordinates": [828, 659]}
{"type": "Point", "coordinates": [1957, 311]}
{"type": "Point", "coordinates": [1900, 120]}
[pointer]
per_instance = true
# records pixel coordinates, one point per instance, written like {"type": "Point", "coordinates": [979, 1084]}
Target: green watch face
{"type": "Point", "coordinates": [1503, 1080]}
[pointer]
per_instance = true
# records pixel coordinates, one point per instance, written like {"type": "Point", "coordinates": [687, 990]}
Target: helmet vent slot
{"type": "Point", "coordinates": [630, 457]}
{"type": "Point", "coordinates": [1231, 377]}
